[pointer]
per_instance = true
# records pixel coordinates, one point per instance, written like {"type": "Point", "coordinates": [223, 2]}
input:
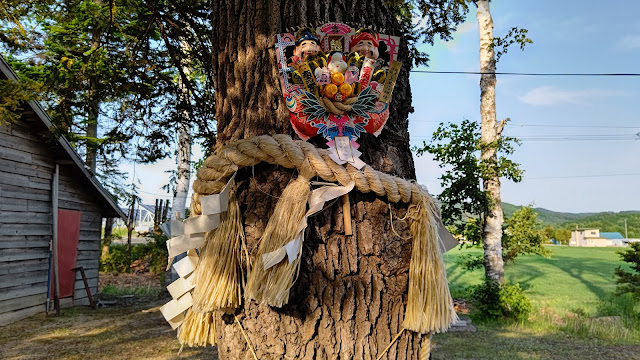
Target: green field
{"type": "Point", "coordinates": [575, 315]}
{"type": "Point", "coordinates": [573, 279]}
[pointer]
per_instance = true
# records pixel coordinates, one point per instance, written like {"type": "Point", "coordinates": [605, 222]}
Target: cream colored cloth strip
{"type": "Point", "coordinates": [176, 307]}
{"type": "Point", "coordinates": [317, 199]}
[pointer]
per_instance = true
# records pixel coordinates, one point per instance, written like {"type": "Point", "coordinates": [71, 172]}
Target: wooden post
{"type": "Point", "coordinates": [54, 209]}
{"type": "Point", "coordinates": [346, 212]}
{"type": "Point", "coordinates": [86, 286]}
{"type": "Point", "coordinates": [130, 228]}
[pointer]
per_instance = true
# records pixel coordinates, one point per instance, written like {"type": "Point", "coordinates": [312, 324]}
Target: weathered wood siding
{"type": "Point", "coordinates": [26, 171]}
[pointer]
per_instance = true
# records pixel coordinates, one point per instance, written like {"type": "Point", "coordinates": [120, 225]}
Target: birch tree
{"type": "Point", "coordinates": [490, 130]}
{"type": "Point", "coordinates": [491, 137]}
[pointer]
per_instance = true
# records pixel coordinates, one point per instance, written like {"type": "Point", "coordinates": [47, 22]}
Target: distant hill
{"type": "Point", "coordinates": [605, 221]}
{"type": "Point", "coordinates": [545, 216]}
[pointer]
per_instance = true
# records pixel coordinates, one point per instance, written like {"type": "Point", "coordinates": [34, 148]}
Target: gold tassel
{"type": "Point", "coordinates": [218, 276]}
{"type": "Point", "coordinates": [272, 286]}
{"type": "Point", "coordinates": [429, 307]}
{"type": "Point", "coordinates": [198, 329]}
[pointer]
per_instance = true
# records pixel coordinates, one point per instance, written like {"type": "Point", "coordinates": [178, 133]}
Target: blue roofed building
{"type": "Point", "coordinates": [592, 237]}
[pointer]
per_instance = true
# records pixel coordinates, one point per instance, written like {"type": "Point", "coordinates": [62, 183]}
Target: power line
{"type": "Point", "coordinates": [565, 177]}
{"type": "Point", "coordinates": [578, 176]}
{"type": "Point", "coordinates": [560, 138]}
{"type": "Point", "coordinates": [539, 125]}
{"type": "Point", "coordinates": [522, 73]}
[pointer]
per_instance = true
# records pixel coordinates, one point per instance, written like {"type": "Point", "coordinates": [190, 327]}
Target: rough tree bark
{"type": "Point", "coordinates": [349, 299]}
{"type": "Point", "coordinates": [491, 131]}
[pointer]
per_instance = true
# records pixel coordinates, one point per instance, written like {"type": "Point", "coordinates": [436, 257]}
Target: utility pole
{"type": "Point", "coordinates": [625, 229]}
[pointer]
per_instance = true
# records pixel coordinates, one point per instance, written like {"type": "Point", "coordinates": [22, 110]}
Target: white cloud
{"type": "Point", "coordinates": [629, 42]}
{"type": "Point", "coordinates": [551, 95]}
{"type": "Point", "coordinates": [466, 27]}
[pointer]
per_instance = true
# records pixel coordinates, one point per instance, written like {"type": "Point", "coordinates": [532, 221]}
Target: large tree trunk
{"type": "Point", "coordinates": [349, 299]}
{"type": "Point", "coordinates": [491, 130]}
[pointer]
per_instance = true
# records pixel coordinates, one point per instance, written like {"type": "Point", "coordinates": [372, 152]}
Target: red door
{"type": "Point", "coordinates": [68, 234]}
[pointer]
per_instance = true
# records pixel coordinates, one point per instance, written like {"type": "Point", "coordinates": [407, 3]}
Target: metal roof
{"type": "Point", "coordinates": [611, 235]}
{"type": "Point", "coordinates": [106, 197]}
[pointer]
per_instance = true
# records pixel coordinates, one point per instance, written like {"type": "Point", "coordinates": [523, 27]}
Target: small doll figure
{"type": "Point", "coordinates": [352, 74]}
{"type": "Point", "coordinates": [337, 62]}
{"type": "Point", "coordinates": [307, 43]}
{"type": "Point", "coordinates": [323, 76]}
{"type": "Point", "coordinates": [365, 42]}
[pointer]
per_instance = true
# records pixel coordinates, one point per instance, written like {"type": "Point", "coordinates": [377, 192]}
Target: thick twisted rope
{"type": "Point", "coordinates": [306, 158]}
{"type": "Point", "coordinates": [337, 107]}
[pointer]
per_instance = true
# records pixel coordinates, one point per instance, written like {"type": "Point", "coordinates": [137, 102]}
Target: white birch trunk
{"type": "Point", "coordinates": [184, 170]}
{"type": "Point", "coordinates": [491, 130]}
{"type": "Point", "coordinates": [184, 156]}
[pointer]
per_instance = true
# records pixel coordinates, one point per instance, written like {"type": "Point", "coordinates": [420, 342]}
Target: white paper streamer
{"type": "Point", "coordinates": [181, 286]}
{"type": "Point", "coordinates": [217, 203]}
{"type": "Point", "coordinates": [201, 224]}
{"type": "Point", "coordinates": [176, 227]}
{"type": "Point", "coordinates": [341, 157]}
{"type": "Point", "coordinates": [176, 321]}
{"type": "Point", "coordinates": [317, 199]}
{"type": "Point", "coordinates": [187, 265]}
{"type": "Point", "coordinates": [176, 307]}
{"type": "Point", "coordinates": [183, 243]}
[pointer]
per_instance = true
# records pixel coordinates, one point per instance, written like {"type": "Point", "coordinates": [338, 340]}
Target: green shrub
{"type": "Point", "coordinates": [494, 300]}
{"type": "Point", "coordinates": [629, 282]}
{"type": "Point", "coordinates": [117, 260]}
{"type": "Point", "coordinates": [154, 251]}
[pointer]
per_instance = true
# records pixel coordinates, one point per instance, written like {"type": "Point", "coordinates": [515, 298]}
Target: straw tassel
{"type": "Point", "coordinates": [430, 306]}
{"type": "Point", "coordinates": [198, 329]}
{"type": "Point", "coordinates": [272, 286]}
{"type": "Point", "coordinates": [218, 277]}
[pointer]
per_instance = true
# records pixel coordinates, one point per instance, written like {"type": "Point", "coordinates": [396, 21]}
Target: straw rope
{"type": "Point", "coordinates": [336, 107]}
{"type": "Point", "coordinates": [425, 347]}
{"type": "Point", "coordinates": [429, 305]}
{"type": "Point", "coordinates": [307, 159]}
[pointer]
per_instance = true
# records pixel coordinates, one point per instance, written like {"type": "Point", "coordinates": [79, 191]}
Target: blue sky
{"type": "Point", "coordinates": [569, 36]}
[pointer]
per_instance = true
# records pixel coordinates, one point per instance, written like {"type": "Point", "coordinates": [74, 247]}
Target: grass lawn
{"type": "Point", "coordinates": [568, 292]}
{"type": "Point", "coordinates": [578, 280]}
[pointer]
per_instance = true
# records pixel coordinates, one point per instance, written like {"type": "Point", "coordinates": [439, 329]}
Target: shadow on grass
{"type": "Point", "coordinates": [505, 343]}
{"type": "Point", "coordinates": [578, 270]}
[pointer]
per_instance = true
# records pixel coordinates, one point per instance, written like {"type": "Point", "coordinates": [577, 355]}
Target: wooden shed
{"type": "Point", "coordinates": [50, 204]}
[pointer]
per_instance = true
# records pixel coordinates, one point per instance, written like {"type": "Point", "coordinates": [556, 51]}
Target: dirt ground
{"type": "Point", "coordinates": [135, 332]}
{"type": "Point", "coordinates": [130, 327]}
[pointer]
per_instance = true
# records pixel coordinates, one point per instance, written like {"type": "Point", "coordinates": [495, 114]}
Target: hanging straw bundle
{"type": "Point", "coordinates": [218, 277]}
{"type": "Point", "coordinates": [429, 307]}
{"type": "Point", "coordinates": [272, 286]}
{"type": "Point", "coordinates": [197, 329]}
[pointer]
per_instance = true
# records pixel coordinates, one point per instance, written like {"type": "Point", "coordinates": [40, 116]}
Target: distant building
{"type": "Point", "coordinates": [592, 237]}
{"type": "Point", "coordinates": [142, 218]}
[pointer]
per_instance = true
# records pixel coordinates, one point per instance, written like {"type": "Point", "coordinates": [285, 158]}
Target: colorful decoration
{"type": "Point", "coordinates": [336, 80]}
